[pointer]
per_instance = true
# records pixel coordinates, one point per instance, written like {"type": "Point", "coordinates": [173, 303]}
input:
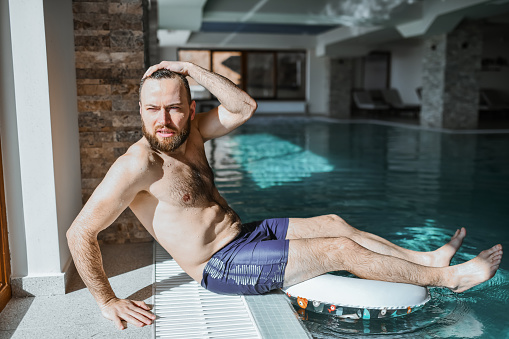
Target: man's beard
{"type": "Point", "coordinates": [168, 144]}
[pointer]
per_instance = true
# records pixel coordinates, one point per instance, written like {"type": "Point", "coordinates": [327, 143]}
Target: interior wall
{"type": "Point", "coordinates": [167, 53]}
{"type": "Point", "coordinates": [318, 78]}
{"type": "Point", "coordinates": [406, 68]}
{"type": "Point", "coordinates": [495, 46]}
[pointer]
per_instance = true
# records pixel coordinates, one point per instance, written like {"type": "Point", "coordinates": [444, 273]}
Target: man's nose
{"type": "Point", "coordinates": [163, 117]}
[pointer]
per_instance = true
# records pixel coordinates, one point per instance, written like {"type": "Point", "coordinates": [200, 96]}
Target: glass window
{"type": "Point", "coordinates": [229, 65]}
{"type": "Point", "coordinates": [202, 59]}
{"type": "Point", "coordinates": [260, 75]}
{"type": "Point", "coordinates": [291, 75]}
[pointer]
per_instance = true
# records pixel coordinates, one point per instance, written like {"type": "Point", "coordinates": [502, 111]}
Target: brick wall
{"type": "Point", "coordinates": [110, 51]}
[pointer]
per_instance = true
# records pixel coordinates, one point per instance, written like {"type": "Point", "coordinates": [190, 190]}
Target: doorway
{"type": "Point", "coordinates": [5, 267]}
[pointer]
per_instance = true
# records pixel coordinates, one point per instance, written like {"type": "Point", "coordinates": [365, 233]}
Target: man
{"type": "Point", "coordinates": [167, 182]}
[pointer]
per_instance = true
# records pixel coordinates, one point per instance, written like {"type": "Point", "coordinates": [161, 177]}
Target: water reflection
{"type": "Point", "coordinates": [412, 187]}
{"type": "Point", "coordinates": [271, 161]}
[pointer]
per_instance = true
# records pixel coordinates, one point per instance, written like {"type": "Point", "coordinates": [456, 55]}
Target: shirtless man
{"type": "Point", "coordinates": [167, 182]}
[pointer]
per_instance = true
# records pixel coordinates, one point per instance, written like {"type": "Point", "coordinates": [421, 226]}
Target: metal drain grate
{"type": "Point", "coordinates": [184, 309]}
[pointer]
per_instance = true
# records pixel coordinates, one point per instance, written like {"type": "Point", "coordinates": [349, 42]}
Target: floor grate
{"type": "Point", "coordinates": [186, 310]}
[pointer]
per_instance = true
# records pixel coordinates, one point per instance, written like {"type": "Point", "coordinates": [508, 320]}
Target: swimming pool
{"type": "Point", "coordinates": [413, 187]}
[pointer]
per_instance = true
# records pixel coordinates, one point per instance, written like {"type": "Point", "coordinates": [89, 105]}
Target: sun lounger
{"type": "Point", "coordinates": [364, 101]}
{"type": "Point", "coordinates": [392, 98]}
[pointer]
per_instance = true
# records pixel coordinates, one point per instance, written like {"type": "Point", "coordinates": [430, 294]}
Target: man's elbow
{"type": "Point", "coordinates": [70, 235]}
{"type": "Point", "coordinates": [76, 234]}
{"type": "Point", "coordinates": [252, 105]}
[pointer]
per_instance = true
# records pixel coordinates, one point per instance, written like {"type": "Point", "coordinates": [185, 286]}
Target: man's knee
{"type": "Point", "coordinates": [334, 218]}
{"type": "Point", "coordinates": [346, 229]}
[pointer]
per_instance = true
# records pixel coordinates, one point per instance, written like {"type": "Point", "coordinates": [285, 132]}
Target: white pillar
{"type": "Point", "coordinates": [40, 140]}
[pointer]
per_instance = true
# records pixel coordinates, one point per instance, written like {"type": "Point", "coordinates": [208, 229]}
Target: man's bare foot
{"type": "Point", "coordinates": [478, 270]}
{"type": "Point", "coordinates": [442, 257]}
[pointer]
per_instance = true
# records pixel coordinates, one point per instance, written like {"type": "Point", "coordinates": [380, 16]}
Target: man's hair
{"type": "Point", "coordinates": [167, 74]}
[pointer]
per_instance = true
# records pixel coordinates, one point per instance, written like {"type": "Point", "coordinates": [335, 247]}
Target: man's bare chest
{"type": "Point", "coordinates": [184, 183]}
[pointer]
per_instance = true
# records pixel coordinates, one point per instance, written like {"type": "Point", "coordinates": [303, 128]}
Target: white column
{"type": "Point", "coordinates": [40, 139]}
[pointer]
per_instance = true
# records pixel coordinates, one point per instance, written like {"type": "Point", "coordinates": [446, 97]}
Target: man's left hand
{"type": "Point", "coordinates": [174, 66]}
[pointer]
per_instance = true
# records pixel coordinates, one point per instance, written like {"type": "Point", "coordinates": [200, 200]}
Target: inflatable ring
{"type": "Point", "coordinates": [355, 298]}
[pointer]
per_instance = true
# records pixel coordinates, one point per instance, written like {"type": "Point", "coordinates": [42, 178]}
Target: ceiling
{"type": "Point", "coordinates": [332, 27]}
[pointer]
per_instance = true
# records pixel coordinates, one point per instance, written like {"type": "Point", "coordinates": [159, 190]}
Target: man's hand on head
{"type": "Point", "coordinates": [174, 66]}
{"type": "Point", "coordinates": [134, 312]}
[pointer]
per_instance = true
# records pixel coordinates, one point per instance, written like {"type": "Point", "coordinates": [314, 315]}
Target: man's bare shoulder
{"type": "Point", "coordinates": [138, 162]}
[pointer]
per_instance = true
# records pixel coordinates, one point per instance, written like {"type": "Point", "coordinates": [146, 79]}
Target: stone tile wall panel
{"type": "Point", "coordinates": [451, 66]}
{"type": "Point", "coordinates": [341, 71]}
{"type": "Point", "coordinates": [110, 56]}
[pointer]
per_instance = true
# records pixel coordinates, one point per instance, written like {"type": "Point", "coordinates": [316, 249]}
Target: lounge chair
{"type": "Point", "coordinates": [363, 101]}
{"type": "Point", "coordinates": [393, 99]}
{"type": "Point", "coordinates": [493, 100]}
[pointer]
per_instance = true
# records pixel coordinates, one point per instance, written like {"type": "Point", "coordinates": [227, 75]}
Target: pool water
{"type": "Point", "coordinates": [414, 187]}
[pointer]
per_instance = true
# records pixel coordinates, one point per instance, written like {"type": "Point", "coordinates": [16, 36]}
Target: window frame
{"type": "Point", "coordinates": [244, 67]}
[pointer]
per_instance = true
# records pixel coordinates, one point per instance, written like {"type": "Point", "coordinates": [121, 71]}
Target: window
{"type": "Point", "coordinates": [229, 65]}
{"type": "Point", "coordinates": [260, 75]}
{"type": "Point", "coordinates": [270, 75]}
{"type": "Point", "coordinates": [291, 80]}
{"type": "Point", "coordinates": [201, 58]}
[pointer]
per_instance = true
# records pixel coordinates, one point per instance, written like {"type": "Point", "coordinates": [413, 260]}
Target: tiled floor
{"type": "Point", "coordinates": [75, 314]}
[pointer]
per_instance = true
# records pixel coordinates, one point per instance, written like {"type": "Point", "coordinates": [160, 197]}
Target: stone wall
{"type": "Point", "coordinates": [433, 81]}
{"type": "Point", "coordinates": [450, 84]}
{"type": "Point", "coordinates": [341, 79]}
{"type": "Point", "coordinates": [110, 52]}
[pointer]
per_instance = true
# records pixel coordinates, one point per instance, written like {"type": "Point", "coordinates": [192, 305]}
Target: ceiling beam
{"type": "Point", "coordinates": [432, 11]}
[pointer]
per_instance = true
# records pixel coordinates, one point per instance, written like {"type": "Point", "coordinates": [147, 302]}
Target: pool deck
{"type": "Point", "coordinates": [129, 268]}
{"type": "Point", "coordinates": [131, 271]}
{"type": "Point", "coordinates": [184, 309]}
{"type": "Point", "coordinates": [487, 124]}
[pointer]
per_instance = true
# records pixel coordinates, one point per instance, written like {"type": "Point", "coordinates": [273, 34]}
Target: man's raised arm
{"type": "Point", "coordinates": [110, 198]}
{"type": "Point", "coordinates": [236, 105]}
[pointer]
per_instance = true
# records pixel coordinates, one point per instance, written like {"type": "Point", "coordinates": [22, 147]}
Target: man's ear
{"type": "Point", "coordinates": [139, 103]}
{"type": "Point", "coordinates": [192, 109]}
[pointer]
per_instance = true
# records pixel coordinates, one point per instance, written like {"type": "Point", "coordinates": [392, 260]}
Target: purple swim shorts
{"type": "Point", "coordinates": [252, 263]}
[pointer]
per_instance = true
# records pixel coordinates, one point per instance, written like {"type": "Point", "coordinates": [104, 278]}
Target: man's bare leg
{"type": "Point", "coordinates": [333, 226]}
{"type": "Point", "coordinates": [311, 257]}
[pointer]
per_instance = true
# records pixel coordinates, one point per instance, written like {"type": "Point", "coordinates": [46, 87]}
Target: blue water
{"type": "Point", "coordinates": [411, 186]}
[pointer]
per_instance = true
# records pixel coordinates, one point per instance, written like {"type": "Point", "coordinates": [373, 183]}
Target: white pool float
{"type": "Point", "coordinates": [356, 298]}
